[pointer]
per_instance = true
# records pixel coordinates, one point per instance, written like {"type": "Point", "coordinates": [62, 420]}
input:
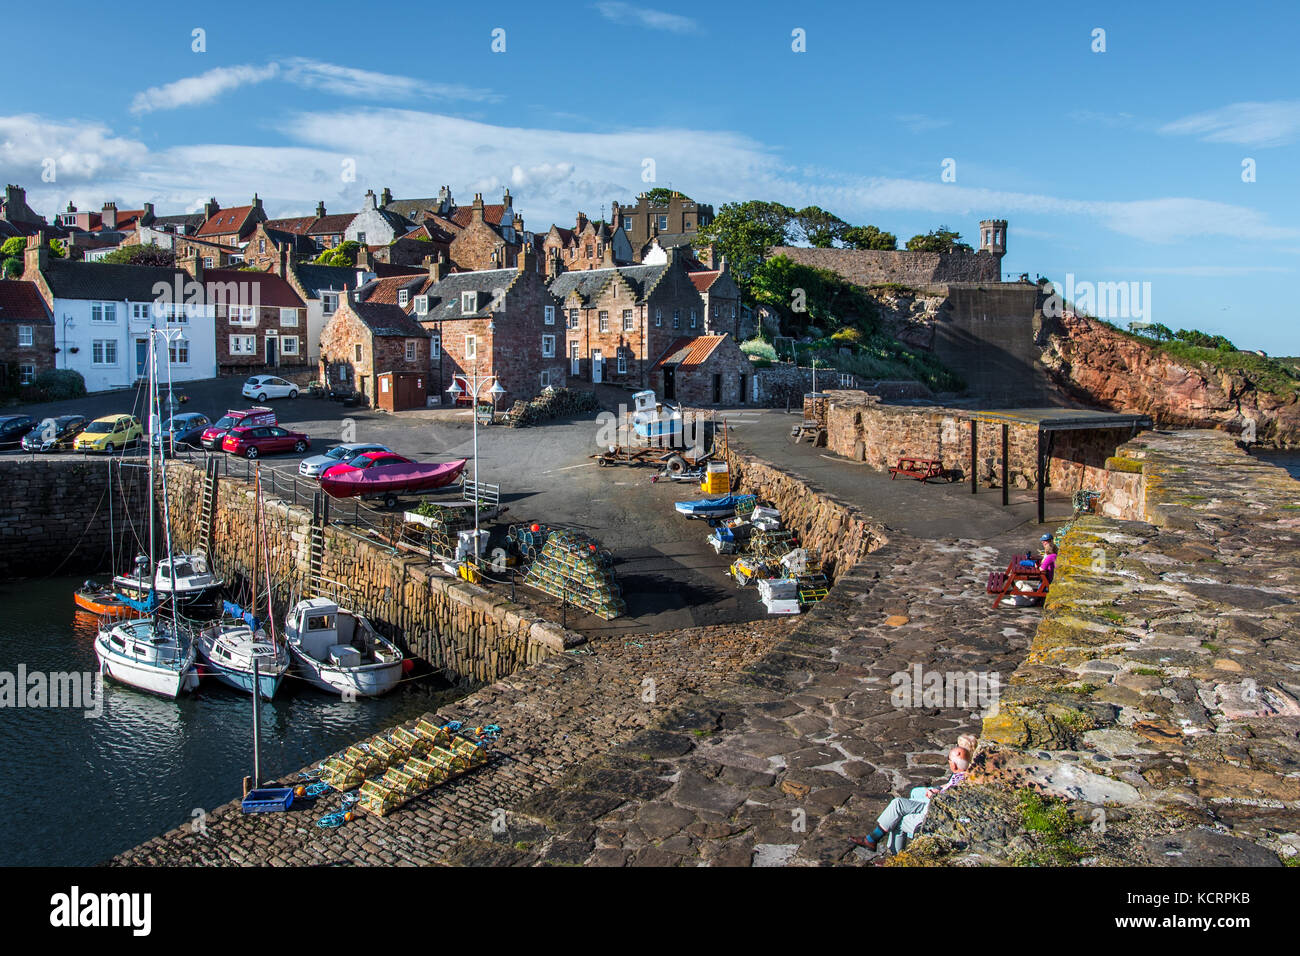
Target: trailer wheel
{"type": "Point", "coordinates": [676, 465]}
{"type": "Point", "coordinates": [602, 462]}
{"type": "Point", "coordinates": [390, 500]}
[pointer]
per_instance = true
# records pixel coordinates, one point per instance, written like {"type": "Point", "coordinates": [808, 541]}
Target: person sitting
{"type": "Point", "coordinates": [904, 815]}
{"type": "Point", "coordinates": [1047, 564]}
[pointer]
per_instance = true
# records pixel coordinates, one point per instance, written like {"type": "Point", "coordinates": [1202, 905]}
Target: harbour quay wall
{"type": "Point", "coordinates": [454, 626]}
{"type": "Point", "coordinates": [55, 513]}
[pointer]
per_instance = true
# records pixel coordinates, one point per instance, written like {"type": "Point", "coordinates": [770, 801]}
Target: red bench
{"type": "Point", "coordinates": [1002, 583]}
{"type": "Point", "coordinates": [922, 469]}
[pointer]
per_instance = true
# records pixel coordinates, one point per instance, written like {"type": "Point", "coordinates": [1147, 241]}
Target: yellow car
{"type": "Point", "coordinates": [110, 433]}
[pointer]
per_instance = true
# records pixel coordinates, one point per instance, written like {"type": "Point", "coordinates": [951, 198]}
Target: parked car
{"type": "Point", "coordinates": [262, 387]}
{"type": "Point", "coordinates": [53, 434]}
{"type": "Point", "coordinates": [14, 427]}
{"type": "Point", "coordinates": [368, 460]}
{"type": "Point", "coordinates": [248, 417]}
{"type": "Point", "coordinates": [110, 433]}
{"type": "Point", "coordinates": [263, 440]}
{"type": "Point", "coordinates": [186, 429]}
{"type": "Point", "coordinates": [312, 467]}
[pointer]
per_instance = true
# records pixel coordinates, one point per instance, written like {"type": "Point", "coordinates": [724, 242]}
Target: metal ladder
{"type": "Point", "coordinates": [208, 510]}
{"type": "Point", "coordinates": [320, 516]}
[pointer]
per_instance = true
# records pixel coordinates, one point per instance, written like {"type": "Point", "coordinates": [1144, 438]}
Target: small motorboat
{"type": "Point", "coordinates": [713, 509]}
{"type": "Point", "coordinates": [184, 577]}
{"type": "Point", "coordinates": [339, 651]}
{"type": "Point", "coordinates": [102, 600]}
{"type": "Point", "coordinates": [655, 422]}
{"type": "Point", "coordinates": [388, 481]}
{"type": "Point", "coordinates": [228, 650]}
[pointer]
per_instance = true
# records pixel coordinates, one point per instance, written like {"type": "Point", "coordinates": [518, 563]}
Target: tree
{"type": "Point", "coordinates": [149, 254]}
{"type": "Point", "coordinates": [805, 295]}
{"type": "Point", "coordinates": [344, 254]}
{"type": "Point", "coordinates": [13, 268]}
{"type": "Point", "coordinates": [868, 237]}
{"type": "Point", "coordinates": [13, 246]}
{"type": "Point", "coordinates": [58, 249]}
{"type": "Point", "coordinates": [662, 195]}
{"type": "Point", "coordinates": [820, 228]}
{"type": "Point", "coordinates": [744, 231]}
{"type": "Point", "coordinates": [942, 239]}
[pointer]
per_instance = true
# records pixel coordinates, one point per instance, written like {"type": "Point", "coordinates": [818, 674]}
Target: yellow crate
{"type": "Point", "coordinates": [401, 782]}
{"type": "Point", "coordinates": [387, 751]}
{"type": "Point", "coordinates": [341, 775]}
{"type": "Point", "coordinates": [378, 799]}
{"type": "Point", "coordinates": [367, 763]}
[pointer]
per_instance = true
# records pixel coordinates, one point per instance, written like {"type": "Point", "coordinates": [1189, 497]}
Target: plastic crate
{"type": "Point", "coordinates": [268, 800]}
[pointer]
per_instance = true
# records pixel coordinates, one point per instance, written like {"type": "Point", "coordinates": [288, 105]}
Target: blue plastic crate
{"type": "Point", "coordinates": [268, 800]}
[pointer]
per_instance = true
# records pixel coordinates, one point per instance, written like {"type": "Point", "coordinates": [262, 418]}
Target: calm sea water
{"type": "Point", "coordinates": [78, 790]}
{"type": "Point", "coordinates": [1290, 460]}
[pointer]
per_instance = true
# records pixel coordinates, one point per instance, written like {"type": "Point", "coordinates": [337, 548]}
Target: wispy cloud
{"type": "Point", "coordinates": [645, 17]}
{"type": "Point", "coordinates": [1274, 123]}
{"type": "Point", "coordinates": [920, 123]}
{"type": "Point", "coordinates": [193, 90]}
{"type": "Point", "coordinates": [306, 73]}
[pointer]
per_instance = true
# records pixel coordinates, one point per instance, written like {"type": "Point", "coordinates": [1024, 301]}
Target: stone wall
{"type": "Point", "coordinates": [838, 530]}
{"type": "Point", "coordinates": [54, 514]}
{"type": "Point", "coordinates": [454, 626]}
{"type": "Point", "coordinates": [1159, 695]}
{"type": "Point", "coordinates": [917, 269]}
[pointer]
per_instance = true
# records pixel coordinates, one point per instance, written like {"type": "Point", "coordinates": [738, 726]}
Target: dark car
{"type": "Point", "coordinates": [54, 434]}
{"type": "Point", "coordinates": [14, 427]}
{"type": "Point", "coordinates": [186, 429]}
{"type": "Point", "coordinates": [263, 440]}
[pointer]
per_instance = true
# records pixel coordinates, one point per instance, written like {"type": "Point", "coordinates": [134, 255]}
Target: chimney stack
{"type": "Point", "coordinates": [518, 224]}
{"type": "Point", "coordinates": [385, 197]}
{"type": "Point", "coordinates": [437, 266]}
{"type": "Point", "coordinates": [257, 202]}
{"type": "Point", "coordinates": [193, 264]}
{"type": "Point", "coordinates": [320, 210]}
{"type": "Point", "coordinates": [526, 261]}
{"type": "Point", "coordinates": [210, 208]}
{"type": "Point", "coordinates": [607, 255]}
{"type": "Point", "coordinates": [148, 217]}
{"type": "Point", "coordinates": [108, 215]}
{"type": "Point", "coordinates": [476, 214]}
{"type": "Point", "coordinates": [36, 254]}
{"type": "Point", "coordinates": [580, 223]}
{"type": "Point", "coordinates": [363, 258]}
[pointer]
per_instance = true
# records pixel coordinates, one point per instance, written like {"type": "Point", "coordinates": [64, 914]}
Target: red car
{"type": "Point", "coordinates": [263, 439]}
{"type": "Point", "coordinates": [368, 460]}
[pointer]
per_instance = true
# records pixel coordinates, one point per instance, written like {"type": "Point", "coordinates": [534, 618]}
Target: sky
{"type": "Point", "coordinates": [1161, 151]}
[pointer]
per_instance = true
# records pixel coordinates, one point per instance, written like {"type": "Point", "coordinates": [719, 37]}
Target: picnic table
{"type": "Point", "coordinates": [809, 428]}
{"type": "Point", "coordinates": [1002, 583]}
{"type": "Point", "coordinates": [922, 469]}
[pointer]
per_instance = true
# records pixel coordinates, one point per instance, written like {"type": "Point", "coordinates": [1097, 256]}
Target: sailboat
{"type": "Point", "coordinates": [155, 653]}
{"type": "Point", "coordinates": [240, 654]}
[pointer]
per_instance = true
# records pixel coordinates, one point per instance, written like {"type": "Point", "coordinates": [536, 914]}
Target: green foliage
{"type": "Point", "coordinates": [57, 384]}
{"type": "Point", "coordinates": [344, 254]}
{"type": "Point", "coordinates": [1048, 820]}
{"type": "Point", "coordinates": [877, 356]}
{"type": "Point", "coordinates": [149, 254]}
{"type": "Point", "coordinates": [868, 237]}
{"type": "Point", "coordinates": [13, 246]}
{"type": "Point", "coordinates": [820, 229]}
{"type": "Point", "coordinates": [1203, 340]}
{"type": "Point", "coordinates": [663, 195]}
{"type": "Point", "coordinates": [1199, 349]}
{"type": "Point", "coordinates": [805, 295]}
{"type": "Point", "coordinates": [759, 349]}
{"type": "Point", "coordinates": [58, 249]}
{"type": "Point", "coordinates": [13, 268]}
{"type": "Point", "coordinates": [942, 239]}
{"type": "Point", "coordinates": [743, 232]}
{"type": "Point", "coordinates": [847, 337]}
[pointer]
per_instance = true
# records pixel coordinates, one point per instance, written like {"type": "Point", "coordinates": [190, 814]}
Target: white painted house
{"type": "Point", "coordinates": [103, 313]}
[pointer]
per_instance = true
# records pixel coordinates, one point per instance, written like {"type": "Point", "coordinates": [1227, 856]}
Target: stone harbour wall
{"type": "Point", "coordinates": [1159, 697]}
{"type": "Point", "coordinates": [839, 531]}
{"type": "Point", "coordinates": [55, 513]}
{"type": "Point", "coordinates": [454, 626]}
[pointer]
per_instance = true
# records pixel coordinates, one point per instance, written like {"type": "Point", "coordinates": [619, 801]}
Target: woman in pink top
{"type": "Point", "coordinates": [1048, 562]}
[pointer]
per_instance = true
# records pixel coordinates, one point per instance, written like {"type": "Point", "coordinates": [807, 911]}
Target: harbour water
{"type": "Point", "coordinates": [82, 788]}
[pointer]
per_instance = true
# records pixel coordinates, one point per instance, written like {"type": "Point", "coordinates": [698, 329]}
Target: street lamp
{"type": "Point", "coordinates": [475, 385]}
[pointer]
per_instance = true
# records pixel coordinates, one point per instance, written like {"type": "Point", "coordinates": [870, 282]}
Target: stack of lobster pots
{"type": "Point", "coordinates": [574, 567]}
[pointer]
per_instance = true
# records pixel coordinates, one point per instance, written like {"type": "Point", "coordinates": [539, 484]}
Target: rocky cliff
{"type": "Point", "coordinates": [1101, 366]}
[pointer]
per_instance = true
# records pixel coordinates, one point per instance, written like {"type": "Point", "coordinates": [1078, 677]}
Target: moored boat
{"type": "Point", "coordinates": [227, 651]}
{"type": "Point", "coordinates": [186, 578]}
{"type": "Point", "coordinates": [151, 654]}
{"type": "Point", "coordinates": [392, 479]}
{"type": "Point", "coordinates": [339, 651]}
{"type": "Point", "coordinates": [102, 600]}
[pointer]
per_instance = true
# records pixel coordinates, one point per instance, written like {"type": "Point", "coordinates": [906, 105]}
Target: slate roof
{"type": "Point", "coordinates": [589, 282]}
{"type": "Point", "coordinates": [444, 296]}
{"type": "Point", "coordinates": [690, 351]}
{"type": "Point", "coordinates": [21, 302]}
{"type": "Point", "coordinates": [78, 279]}
{"type": "Point", "coordinates": [314, 278]}
{"type": "Point", "coordinates": [411, 208]}
{"type": "Point", "coordinates": [385, 318]}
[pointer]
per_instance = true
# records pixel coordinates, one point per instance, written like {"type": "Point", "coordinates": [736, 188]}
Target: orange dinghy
{"type": "Point", "coordinates": [101, 600]}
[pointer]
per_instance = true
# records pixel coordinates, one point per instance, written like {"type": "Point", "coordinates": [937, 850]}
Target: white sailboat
{"type": "Point", "coordinates": [241, 654]}
{"type": "Point", "coordinates": [155, 653]}
{"type": "Point", "coordinates": [339, 651]}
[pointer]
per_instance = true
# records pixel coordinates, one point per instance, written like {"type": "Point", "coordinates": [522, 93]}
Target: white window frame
{"type": "Point", "coordinates": [410, 350]}
{"type": "Point", "coordinates": [622, 361]}
{"type": "Point", "coordinates": [207, 262]}
{"type": "Point", "coordinates": [548, 315]}
{"type": "Point", "coordinates": [174, 351]}
{"type": "Point", "coordinates": [573, 318]}
{"type": "Point", "coordinates": [659, 317]}
{"type": "Point", "coordinates": [694, 320]}
{"type": "Point", "coordinates": [629, 320]}
{"type": "Point", "coordinates": [663, 223]}
{"type": "Point", "coordinates": [26, 336]}
{"type": "Point", "coordinates": [243, 315]}
{"type": "Point", "coordinates": [548, 346]}
{"type": "Point", "coordinates": [103, 347]}
{"type": "Point", "coordinates": [329, 303]}
{"type": "Point", "coordinates": [103, 313]}
{"type": "Point", "coordinates": [468, 302]}
{"type": "Point", "coordinates": [471, 347]}
{"type": "Point", "coordinates": [603, 317]}
{"type": "Point", "coordinates": [435, 345]}
{"type": "Point", "coordinates": [237, 343]}
{"type": "Point", "coordinates": [289, 318]}
{"type": "Point", "coordinates": [288, 345]}
{"type": "Point", "coordinates": [403, 296]}
{"type": "Point", "coordinates": [140, 310]}
{"type": "Point", "coordinates": [26, 373]}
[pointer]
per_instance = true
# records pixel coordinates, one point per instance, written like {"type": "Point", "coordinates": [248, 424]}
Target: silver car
{"type": "Point", "coordinates": [313, 466]}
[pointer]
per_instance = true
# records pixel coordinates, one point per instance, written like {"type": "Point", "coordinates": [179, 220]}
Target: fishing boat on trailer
{"type": "Point", "coordinates": [185, 577]}
{"type": "Point", "coordinates": [339, 651]}
{"type": "Point", "coordinates": [655, 422]}
{"type": "Point", "coordinates": [227, 651]}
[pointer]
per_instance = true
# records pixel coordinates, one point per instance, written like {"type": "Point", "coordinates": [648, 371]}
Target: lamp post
{"type": "Point", "coordinates": [476, 384]}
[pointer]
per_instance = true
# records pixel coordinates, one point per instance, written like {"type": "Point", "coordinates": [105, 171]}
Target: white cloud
{"type": "Point", "coordinates": [352, 82]}
{"type": "Point", "coordinates": [644, 16]}
{"type": "Point", "coordinates": [80, 150]}
{"type": "Point", "coordinates": [1274, 123]}
{"type": "Point", "coordinates": [193, 90]}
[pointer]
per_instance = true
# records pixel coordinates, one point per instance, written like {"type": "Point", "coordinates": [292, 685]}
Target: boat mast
{"type": "Point", "coordinates": [167, 516]}
{"type": "Point", "coordinates": [149, 411]}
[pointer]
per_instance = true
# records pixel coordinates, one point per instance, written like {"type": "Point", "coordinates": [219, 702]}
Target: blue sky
{"type": "Point", "coordinates": [1122, 166]}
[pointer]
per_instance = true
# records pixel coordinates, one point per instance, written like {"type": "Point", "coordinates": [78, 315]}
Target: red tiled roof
{"type": "Point", "coordinates": [690, 350]}
{"type": "Point", "coordinates": [21, 301]}
{"type": "Point", "coordinates": [298, 226]}
{"type": "Point", "coordinates": [464, 215]}
{"type": "Point", "coordinates": [702, 280]}
{"type": "Point", "coordinates": [335, 224]}
{"type": "Point", "coordinates": [225, 221]}
{"type": "Point", "coordinates": [272, 290]}
{"type": "Point", "coordinates": [384, 290]}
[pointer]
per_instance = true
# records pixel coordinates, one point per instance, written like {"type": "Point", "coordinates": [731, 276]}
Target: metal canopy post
{"type": "Point", "coordinates": [974, 450]}
{"type": "Point", "coordinates": [1042, 490]}
{"type": "Point", "coordinates": [1005, 493]}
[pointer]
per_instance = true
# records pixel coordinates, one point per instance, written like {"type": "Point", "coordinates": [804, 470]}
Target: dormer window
{"type": "Point", "coordinates": [403, 296]}
{"type": "Point", "coordinates": [468, 302]}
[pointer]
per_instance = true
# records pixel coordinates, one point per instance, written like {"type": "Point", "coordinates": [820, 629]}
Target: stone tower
{"type": "Point", "coordinates": [993, 237]}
